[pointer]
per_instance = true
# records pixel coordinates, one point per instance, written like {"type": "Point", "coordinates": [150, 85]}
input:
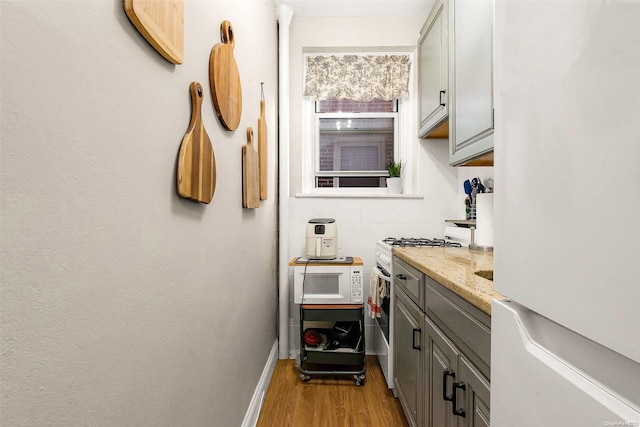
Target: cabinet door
{"type": "Point", "coordinates": [476, 395]}
{"type": "Point", "coordinates": [434, 66]}
{"type": "Point", "coordinates": [471, 78]}
{"type": "Point", "coordinates": [441, 372]}
{"type": "Point", "coordinates": [408, 356]}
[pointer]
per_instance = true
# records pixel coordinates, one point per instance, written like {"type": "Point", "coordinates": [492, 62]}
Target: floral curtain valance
{"type": "Point", "coordinates": [361, 78]}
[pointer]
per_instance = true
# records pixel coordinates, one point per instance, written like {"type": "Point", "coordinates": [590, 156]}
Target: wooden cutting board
{"type": "Point", "coordinates": [161, 23]}
{"type": "Point", "coordinates": [224, 79]}
{"type": "Point", "coordinates": [262, 152]}
{"type": "Point", "coordinates": [196, 161]}
{"type": "Point", "coordinates": [250, 178]}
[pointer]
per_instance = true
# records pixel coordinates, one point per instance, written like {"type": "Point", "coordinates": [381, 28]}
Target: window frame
{"type": "Point", "coordinates": [350, 142]}
{"type": "Point", "coordinates": [404, 140]}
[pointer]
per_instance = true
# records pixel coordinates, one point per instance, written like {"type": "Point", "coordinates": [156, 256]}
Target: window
{"type": "Point", "coordinates": [355, 140]}
{"type": "Point", "coordinates": [348, 143]}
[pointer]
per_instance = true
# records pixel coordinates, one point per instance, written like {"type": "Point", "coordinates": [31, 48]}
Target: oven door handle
{"type": "Point", "coordinates": [384, 276]}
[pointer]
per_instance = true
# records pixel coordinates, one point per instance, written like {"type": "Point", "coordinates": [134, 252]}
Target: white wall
{"type": "Point", "coordinates": [123, 304]}
{"type": "Point", "coordinates": [363, 221]}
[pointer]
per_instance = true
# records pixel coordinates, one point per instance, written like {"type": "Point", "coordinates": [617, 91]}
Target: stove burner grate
{"type": "Point", "coordinates": [420, 242]}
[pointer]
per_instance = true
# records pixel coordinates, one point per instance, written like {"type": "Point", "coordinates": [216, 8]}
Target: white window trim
{"type": "Point", "coordinates": [405, 138]}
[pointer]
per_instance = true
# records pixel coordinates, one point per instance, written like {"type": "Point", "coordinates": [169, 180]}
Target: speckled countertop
{"type": "Point", "coordinates": [455, 268]}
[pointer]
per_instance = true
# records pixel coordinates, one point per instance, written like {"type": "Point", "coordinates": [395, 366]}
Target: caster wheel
{"type": "Point", "coordinates": [305, 377]}
{"type": "Point", "coordinates": [359, 380]}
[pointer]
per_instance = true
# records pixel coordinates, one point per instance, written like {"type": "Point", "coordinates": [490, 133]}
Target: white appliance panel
{"type": "Point", "coordinates": [384, 347]}
{"type": "Point", "coordinates": [545, 374]}
{"type": "Point", "coordinates": [384, 353]}
{"type": "Point", "coordinates": [567, 155]}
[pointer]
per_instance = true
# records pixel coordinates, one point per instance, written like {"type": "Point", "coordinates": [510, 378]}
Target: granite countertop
{"type": "Point", "coordinates": [454, 268]}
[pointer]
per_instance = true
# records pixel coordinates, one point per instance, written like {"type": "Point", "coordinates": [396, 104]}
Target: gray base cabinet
{"type": "Point", "coordinates": [441, 367]}
{"type": "Point", "coordinates": [458, 394]}
{"type": "Point", "coordinates": [442, 354]}
{"type": "Point", "coordinates": [476, 395]}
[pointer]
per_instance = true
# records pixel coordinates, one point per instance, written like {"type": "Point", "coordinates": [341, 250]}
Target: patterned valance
{"type": "Point", "coordinates": [360, 78]}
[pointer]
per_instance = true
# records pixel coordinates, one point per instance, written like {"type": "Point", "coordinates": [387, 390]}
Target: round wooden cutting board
{"type": "Point", "coordinates": [224, 79]}
{"type": "Point", "coordinates": [161, 23]}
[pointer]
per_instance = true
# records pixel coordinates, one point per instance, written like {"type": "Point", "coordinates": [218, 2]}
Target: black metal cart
{"type": "Point", "coordinates": [340, 349]}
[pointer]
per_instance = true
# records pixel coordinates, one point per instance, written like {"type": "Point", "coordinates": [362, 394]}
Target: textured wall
{"type": "Point", "coordinates": [121, 303]}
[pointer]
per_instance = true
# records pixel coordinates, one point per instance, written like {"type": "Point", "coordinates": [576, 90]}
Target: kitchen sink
{"type": "Point", "coordinates": [487, 274]}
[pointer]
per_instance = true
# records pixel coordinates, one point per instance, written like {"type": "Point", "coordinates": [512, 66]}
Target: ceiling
{"type": "Point", "coordinates": [358, 7]}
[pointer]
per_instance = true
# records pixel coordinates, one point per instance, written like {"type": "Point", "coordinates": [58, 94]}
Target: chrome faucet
{"type": "Point", "coordinates": [472, 244]}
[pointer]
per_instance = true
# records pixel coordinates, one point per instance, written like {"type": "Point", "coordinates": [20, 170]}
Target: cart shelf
{"type": "Point", "coordinates": [342, 348]}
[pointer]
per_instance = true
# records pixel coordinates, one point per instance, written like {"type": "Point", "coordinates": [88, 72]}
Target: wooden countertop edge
{"type": "Point", "coordinates": [357, 261]}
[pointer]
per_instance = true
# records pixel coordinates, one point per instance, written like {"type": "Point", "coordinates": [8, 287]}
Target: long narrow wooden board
{"type": "Point", "coordinates": [250, 178]}
{"type": "Point", "coordinates": [196, 161]}
{"type": "Point", "coordinates": [161, 23]}
{"type": "Point", "coordinates": [262, 152]}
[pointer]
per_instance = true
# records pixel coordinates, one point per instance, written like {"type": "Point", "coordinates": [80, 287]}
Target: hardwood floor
{"type": "Point", "coordinates": [329, 401]}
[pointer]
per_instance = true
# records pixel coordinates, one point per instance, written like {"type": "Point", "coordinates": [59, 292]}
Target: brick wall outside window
{"type": "Point", "coordinates": [345, 132]}
{"type": "Point", "coordinates": [351, 106]}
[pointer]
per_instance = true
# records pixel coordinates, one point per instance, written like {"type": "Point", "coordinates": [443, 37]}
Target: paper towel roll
{"type": "Point", "coordinates": [484, 219]}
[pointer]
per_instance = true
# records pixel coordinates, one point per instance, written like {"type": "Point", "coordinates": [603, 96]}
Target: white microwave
{"type": "Point", "coordinates": [326, 283]}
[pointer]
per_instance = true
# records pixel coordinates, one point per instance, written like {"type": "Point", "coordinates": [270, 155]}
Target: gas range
{"type": "Point", "coordinates": [384, 336]}
{"type": "Point", "coordinates": [420, 242]}
{"type": "Point", "coordinates": [384, 247]}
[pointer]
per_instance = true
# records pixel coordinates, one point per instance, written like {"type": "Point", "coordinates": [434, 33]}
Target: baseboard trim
{"type": "Point", "coordinates": [253, 412]}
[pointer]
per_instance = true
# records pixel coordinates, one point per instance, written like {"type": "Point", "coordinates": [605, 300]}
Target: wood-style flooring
{"type": "Point", "coordinates": [329, 401]}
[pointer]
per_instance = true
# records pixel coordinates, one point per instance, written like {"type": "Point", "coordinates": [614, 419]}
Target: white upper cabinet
{"type": "Point", "coordinates": [434, 69]}
{"type": "Point", "coordinates": [470, 79]}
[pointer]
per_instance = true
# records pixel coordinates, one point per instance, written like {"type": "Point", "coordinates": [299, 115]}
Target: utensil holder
{"type": "Point", "coordinates": [470, 211]}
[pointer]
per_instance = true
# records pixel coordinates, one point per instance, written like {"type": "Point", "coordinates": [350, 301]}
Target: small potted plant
{"type": "Point", "coordinates": [394, 182]}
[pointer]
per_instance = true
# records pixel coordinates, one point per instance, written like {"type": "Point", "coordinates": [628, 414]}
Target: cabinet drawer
{"type": "Point", "coordinates": [466, 326]}
{"type": "Point", "coordinates": [410, 280]}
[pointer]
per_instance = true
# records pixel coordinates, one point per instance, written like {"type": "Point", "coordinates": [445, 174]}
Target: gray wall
{"type": "Point", "coordinates": [121, 303]}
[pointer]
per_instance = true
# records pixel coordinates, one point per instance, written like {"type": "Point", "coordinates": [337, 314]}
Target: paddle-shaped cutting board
{"type": "Point", "coordinates": [196, 161]}
{"type": "Point", "coordinates": [250, 178]}
{"type": "Point", "coordinates": [262, 152]}
{"type": "Point", "coordinates": [224, 79]}
{"type": "Point", "coordinates": [161, 23]}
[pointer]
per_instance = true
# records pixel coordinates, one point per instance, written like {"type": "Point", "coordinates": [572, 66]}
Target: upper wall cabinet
{"type": "Point", "coordinates": [470, 79]}
{"type": "Point", "coordinates": [434, 69]}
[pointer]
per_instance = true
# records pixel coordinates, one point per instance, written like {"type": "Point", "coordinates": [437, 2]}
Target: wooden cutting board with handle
{"type": "Point", "coordinates": [196, 161]}
{"type": "Point", "coordinates": [224, 79]}
{"type": "Point", "coordinates": [262, 151]}
{"type": "Point", "coordinates": [161, 23]}
{"type": "Point", "coordinates": [250, 178]}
